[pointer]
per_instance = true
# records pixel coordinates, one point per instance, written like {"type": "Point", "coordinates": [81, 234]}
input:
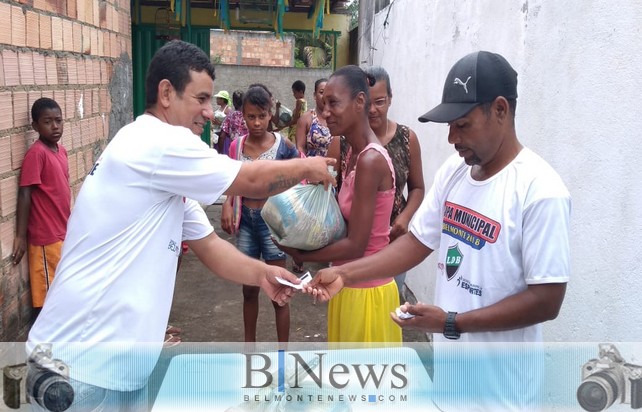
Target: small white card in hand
{"type": "Point", "coordinates": [403, 315]}
{"type": "Point", "coordinates": [304, 281]}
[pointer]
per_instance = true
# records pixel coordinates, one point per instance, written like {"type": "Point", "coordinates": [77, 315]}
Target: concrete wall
{"type": "Point", "coordinates": [278, 79]}
{"type": "Point", "coordinates": [578, 107]}
{"type": "Point", "coordinates": [78, 53]}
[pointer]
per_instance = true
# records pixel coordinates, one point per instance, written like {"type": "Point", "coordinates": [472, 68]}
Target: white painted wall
{"type": "Point", "coordinates": [580, 93]}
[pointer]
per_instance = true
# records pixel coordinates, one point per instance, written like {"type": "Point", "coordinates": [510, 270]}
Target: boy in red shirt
{"type": "Point", "coordinates": [44, 200]}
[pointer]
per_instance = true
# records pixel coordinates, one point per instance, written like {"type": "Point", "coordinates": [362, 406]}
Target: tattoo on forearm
{"type": "Point", "coordinates": [281, 183]}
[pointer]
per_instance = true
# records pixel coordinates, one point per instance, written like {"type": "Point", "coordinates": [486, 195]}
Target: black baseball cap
{"type": "Point", "coordinates": [476, 78]}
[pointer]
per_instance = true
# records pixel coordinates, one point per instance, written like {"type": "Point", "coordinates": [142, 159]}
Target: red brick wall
{"type": "Point", "coordinates": [66, 50]}
{"type": "Point", "coordinates": [252, 48]}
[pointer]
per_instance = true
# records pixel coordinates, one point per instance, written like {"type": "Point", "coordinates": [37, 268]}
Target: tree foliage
{"type": "Point", "coordinates": [353, 8]}
{"type": "Point", "coordinates": [311, 52]}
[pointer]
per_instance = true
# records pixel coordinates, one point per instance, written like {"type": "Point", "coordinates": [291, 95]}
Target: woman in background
{"type": "Point", "coordinates": [403, 147]}
{"type": "Point", "coordinates": [312, 134]}
{"type": "Point", "coordinates": [220, 113]}
{"type": "Point", "coordinates": [233, 126]}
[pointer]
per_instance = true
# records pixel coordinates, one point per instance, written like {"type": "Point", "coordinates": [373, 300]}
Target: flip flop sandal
{"type": "Point", "coordinates": [171, 340]}
{"type": "Point", "coordinates": [297, 268]}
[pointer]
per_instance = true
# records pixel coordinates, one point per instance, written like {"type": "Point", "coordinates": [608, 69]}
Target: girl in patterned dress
{"type": "Point", "coordinates": [233, 126]}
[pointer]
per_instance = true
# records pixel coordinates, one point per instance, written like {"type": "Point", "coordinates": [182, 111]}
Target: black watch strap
{"type": "Point", "coordinates": [450, 330]}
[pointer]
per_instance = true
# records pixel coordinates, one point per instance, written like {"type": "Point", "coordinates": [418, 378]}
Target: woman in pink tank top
{"type": "Point", "coordinates": [360, 313]}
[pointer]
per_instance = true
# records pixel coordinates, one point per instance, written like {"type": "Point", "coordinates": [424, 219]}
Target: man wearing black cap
{"type": "Point", "coordinates": [499, 220]}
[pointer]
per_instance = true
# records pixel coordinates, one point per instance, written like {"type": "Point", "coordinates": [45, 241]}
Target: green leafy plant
{"type": "Point", "coordinates": [315, 56]}
{"type": "Point", "coordinates": [313, 52]}
{"type": "Point", "coordinates": [353, 8]}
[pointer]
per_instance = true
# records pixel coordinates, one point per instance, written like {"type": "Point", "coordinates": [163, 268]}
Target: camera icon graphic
{"type": "Point", "coordinates": [47, 381]}
{"type": "Point", "coordinates": [609, 378]}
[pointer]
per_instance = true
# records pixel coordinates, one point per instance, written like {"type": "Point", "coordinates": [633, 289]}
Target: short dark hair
{"type": "Point", "coordinates": [298, 86]}
{"type": "Point", "coordinates": [262, 86]}
{"type": "Point", "coordinates": [318, 83]}
{"type": "Point", "coordinates": [237, 99]}
{"type": "Point", "coordinates": [357, 80]}
{"type": "Point", "coordinates": [258, 96]}
{"type": "Point", "coordinates": [41, 105]}
{"type": "Point", "coordinates": [173, 62]}
{"type": "Point", "coordinates": [380, 74]}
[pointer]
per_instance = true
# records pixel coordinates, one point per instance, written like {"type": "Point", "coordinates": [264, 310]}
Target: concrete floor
{"type": "Point", "coordinates": [209, 309]}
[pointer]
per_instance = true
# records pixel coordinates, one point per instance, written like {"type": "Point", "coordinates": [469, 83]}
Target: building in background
{"type": "Point", "coordinates": [154, 22]}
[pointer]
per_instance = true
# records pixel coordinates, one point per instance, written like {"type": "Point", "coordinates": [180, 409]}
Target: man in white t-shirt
{"type": "Point", "coordinates": [498, 215]}
{"type": "Point", "coordinates": [115, 281]}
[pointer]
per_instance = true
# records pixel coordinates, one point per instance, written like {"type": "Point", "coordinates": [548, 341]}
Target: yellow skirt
{"type": "Point", "coordinates": [363, 315]}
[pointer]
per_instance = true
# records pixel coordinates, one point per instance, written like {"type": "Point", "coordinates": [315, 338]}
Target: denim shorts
{"type": "Point", "coordinates": [254, 238]}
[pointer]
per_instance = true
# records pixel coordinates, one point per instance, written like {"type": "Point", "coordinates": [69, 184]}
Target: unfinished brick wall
{"type": "Point", "coordinates": [252, 48]}
{"type": "Point", "coordinates": [65, 50]}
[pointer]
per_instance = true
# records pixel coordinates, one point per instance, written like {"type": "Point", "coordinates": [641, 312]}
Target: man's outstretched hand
{"type": "Point", "coordinates": [279, 293]}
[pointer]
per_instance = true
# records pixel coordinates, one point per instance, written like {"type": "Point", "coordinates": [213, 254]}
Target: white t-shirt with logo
{"type": "Point", "coordinates": [115, 281]}
{"type": "Point", "coordinates": [494, 238]}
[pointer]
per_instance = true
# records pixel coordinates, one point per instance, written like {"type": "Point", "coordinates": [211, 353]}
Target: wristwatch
{"type": "Point", "coordinates": [450, 330]}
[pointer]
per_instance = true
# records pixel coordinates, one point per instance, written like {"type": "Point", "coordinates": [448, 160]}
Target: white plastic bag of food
{"type": "Point", "coordinates": [285, 115]}
{"type": "Point", "coordinates": [305, 217]}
